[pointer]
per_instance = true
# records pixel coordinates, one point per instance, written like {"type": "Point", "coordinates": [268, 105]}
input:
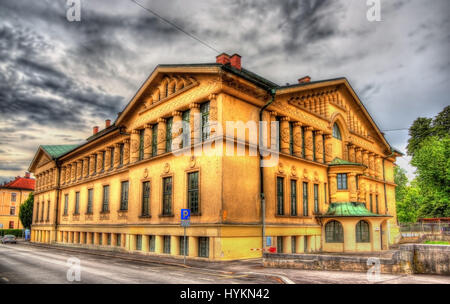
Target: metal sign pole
{"type": "Point", "coordinates": [184, 249]}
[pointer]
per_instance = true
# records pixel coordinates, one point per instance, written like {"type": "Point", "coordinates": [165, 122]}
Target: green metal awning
{"type": "Point", "coordinates": [350, 209]}
{"type": "Point", "coordinates": [342, 162]}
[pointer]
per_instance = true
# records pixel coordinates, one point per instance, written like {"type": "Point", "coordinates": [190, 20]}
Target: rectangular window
{"type": "Point", "coordinates": [77, 203]}
{"type": "Point", "coordinates": [141, 144]}
{"type": "Point", "coordinates": [37, 212]}
{"type": "Point", "coordinates": [184, 245]}
{"type": "Point", "coordinates": [316, 198]}
{"type": "Point", "coordinates": [193, 192]}
{"type": "Point", "coordinates": [11, 224]}
{"type": "Point", "coordinates": [291, 138]}
{"type": "Point", "coordinates": [305, 199]}
{"type": "Point", "coordinates": [305, 243]}
{"type": "Point", "coordinates": [13, 197]}
{"type": "Point", "coordinates": [95, 163]}
{"type": "Point", "coordinates": [103, 160]}
{"type": "Point", "coordinates": [100, 239]}
{"type": "Point", "coordinates": [293, 197]}
{"type": "Point", "coordinates": [42, 211]}
{"type": "Point", "coordinates": [12, 210]}
{"type": "Point", "coordinates": [167, 195]}
{"type": "Point", "coordinates": [280, 195]}
{"type": "Point", "coordinates": [342, 181]}
{"type": "Point", "coordinates": [169, 124]}
{"type": "Point", "coordinates": [124, 196]}
{"type": "Point", "coordinates": [203, 247]}
{"type": "Point", "coordinates": [118, 240]}
{"type": "Point", "coordinates": [89, 200]}
{"type": "Point", "coordinates": [105, 204]}
{"type": "Point", "coordinates": [88, 166]}
{"type": "Point", "coordinates": [279, 244]}
{"type": "Point", "coordinates": [325, 193]}
{"type": "Point", "coordinates": [294, 244]}
{"type": "Point", "coordinates": [151, 243]}
{"type": "Point", "coordinates": [204, 111]}
{"type": "Point", "coordinates": [376, 204]}
{"type": "Point", "coordinates": [121, 147]}
{"type": "Point", "coordinates": [371, 203]}
{"type": "Point", "coordinates": [111, 158]}
{"type": "Point", "coordinates": [155, 140]}
{"type": "Point", "coordinates": [166, 242]}
{"type": "Point", "coordinates": [138, 242]}
{"type": "Point", "coordinates": [145, 198]}
{"type": "Point", "coordinates": [108, 239]}
{"type": "Point", "coordinates": [66, 204]}
{"type": "Point", "coordinates": [48, 210]}
{"type": "Point", "coordinates": [186, 128]}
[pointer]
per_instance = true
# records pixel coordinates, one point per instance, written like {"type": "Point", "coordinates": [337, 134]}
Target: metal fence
{"type": "Point", "coordinates": [417, 229]}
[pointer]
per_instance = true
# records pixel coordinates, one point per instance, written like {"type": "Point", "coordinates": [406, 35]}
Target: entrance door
{"type": "Point", "coordinates": [381, 236]}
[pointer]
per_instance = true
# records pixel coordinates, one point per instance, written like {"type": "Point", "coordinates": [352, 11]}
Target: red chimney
{"type": "Point", "coordinates": [107, 123]}
{"type": "Point", "coordinates": [235, 61]}
{"type": "Point", "coordinates": [304, 79]}
{"type": "Point", "coordinates": [27, 174]}
{"type": "Point", "coordinates": [95, 130]}
{"type": "Point", "coordinates": [223, 58]}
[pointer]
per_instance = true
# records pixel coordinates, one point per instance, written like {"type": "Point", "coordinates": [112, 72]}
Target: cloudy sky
{"type": "Point", "coordinates": [58, 78]}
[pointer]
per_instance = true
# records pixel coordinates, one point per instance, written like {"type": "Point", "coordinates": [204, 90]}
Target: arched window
{"type": "Point", "coordinates": [334, 233]}
{"type": "Point", "coordinates": [362, 232]}
{"type": "Point", "coordinates": [336, 132]}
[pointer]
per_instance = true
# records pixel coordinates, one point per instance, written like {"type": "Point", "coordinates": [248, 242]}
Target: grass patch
{"type": "Point", "coordinates": [437, 242]}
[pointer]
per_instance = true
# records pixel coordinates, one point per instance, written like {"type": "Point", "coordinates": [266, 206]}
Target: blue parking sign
{"type": "Point", "coordinates": [185, 214]}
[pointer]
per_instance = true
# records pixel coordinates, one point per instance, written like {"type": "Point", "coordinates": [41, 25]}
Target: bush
{"type": "Point", "coordinates": [16, 232]}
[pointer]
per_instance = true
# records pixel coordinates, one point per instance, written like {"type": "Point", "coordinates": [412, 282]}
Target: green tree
{"type": "Point", "coordinates": [441, 123]}
{"type": "Point", "coordinates": [26, 211]}
{"type": "Point", "coordinates": [401, 181]}
{"type": "Point", "coordinates": [408, 208]}
{"type": "Point", "coordinates": [418, 132]}
{"type": "Point", "coordinates": [432, 160]}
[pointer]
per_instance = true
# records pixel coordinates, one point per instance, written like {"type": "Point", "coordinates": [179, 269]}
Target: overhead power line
{"type": "Point", "coordinates": [175, 26]}
{"type": "Point", "coordinates": [402, 129]}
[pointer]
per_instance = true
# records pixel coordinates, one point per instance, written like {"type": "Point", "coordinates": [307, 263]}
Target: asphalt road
{"type": "Point", "coordinates": [23, 263]}
{"type": "Point", "coordinates": [29, 264]}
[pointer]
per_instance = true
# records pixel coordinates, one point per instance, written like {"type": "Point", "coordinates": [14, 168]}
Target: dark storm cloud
{"type": "Point", "coordinates": [34, 87]}
{"type": "Point", "coordinates": [60, 78]}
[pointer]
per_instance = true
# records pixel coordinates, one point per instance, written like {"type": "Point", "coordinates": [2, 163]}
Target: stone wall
{"type": "Point", "coordinates": [432, 259]}
{"type": "Point", "coordinates": [412, 258]}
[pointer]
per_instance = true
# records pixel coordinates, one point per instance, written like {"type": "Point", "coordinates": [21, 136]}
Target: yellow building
{"type": "Point", "coordinates": [12, 195]}
{"type": "Point", "coordinates": [190, 138]}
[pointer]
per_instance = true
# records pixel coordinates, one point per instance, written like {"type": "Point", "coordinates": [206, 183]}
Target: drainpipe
{"type": "Point", "coordinates": [385, 197]}
{"type": "Point", "coordinates": [261, 173]}
{"type": "Point", "coordinates": [384, 180]}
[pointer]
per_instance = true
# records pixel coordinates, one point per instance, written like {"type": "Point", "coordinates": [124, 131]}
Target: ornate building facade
{"type": "Point", "coordinates": [12, 195]}
{"type": "Point", "coordinates": [327, 182]}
